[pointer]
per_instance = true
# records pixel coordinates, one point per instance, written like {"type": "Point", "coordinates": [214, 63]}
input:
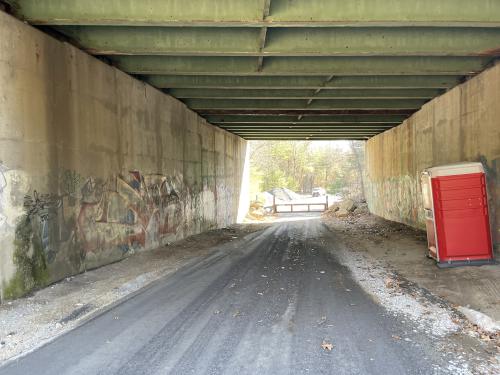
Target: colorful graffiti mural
{"type": "Point", "coordinates": [87, 221]}
{"type": "Point", "coordinates": [134, 213]}
{"type": "Point", "coordinates": [124, 213]}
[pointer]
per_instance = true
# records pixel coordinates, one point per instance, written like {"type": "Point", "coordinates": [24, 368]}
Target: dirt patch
{"type": "Point", "coordinates": [404, 249]}
{"type": "Point", "coordinates": [389, 260]}
{"type": "Point", "coordinates": [29, 322]}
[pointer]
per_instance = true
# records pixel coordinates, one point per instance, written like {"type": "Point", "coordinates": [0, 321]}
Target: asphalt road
{"type": "Point", "coordinates": [263, 304]}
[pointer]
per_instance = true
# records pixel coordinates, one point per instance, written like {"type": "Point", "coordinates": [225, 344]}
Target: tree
{"type": "Point", "coordinates": [302, 165]}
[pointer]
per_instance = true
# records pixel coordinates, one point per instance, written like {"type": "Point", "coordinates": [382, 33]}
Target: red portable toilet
{"type": "Point", "coordinates": [456, 214]}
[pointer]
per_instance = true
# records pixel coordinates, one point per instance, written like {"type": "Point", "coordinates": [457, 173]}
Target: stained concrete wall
{"type": "Point", "coordinates": [461, 125]}
{"type": "Point", "coordinates": [95, 165]}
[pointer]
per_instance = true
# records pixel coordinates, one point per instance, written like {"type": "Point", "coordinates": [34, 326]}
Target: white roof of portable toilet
{"type": "Point", "coordinates": [455, 169]}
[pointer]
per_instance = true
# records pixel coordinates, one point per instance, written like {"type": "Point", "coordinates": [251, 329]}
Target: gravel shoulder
{"type": "Point", "coordinates": [389, 260]}
{"type": "Point", "coordinates": [404, 249]}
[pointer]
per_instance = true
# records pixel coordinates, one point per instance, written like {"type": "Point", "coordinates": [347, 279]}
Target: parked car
{"type": "Point", "coordinates": [318, 192]}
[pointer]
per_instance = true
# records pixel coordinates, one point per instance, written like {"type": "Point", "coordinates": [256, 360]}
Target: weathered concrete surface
{"type": "Point", "coordinates": [95, 165]}
{"type": "Point", "coordinates": [461, 125]}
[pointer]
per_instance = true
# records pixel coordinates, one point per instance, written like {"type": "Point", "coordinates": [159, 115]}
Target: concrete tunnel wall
{"type": "Point", "coordinates": [95, 165]}
{"type": "Point", "coordinates": [461, 125]}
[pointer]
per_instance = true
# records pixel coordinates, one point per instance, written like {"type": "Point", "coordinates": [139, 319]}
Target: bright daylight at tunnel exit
{"type": "Point", "coordinates": [250, 187]}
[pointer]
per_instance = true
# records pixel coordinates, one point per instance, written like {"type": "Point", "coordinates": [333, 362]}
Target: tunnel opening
{"type": "Point", "coordinates": [305, 178]}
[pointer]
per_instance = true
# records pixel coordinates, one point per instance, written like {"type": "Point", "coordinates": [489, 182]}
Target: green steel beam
{"type": "Point", "coordinates": [199, 104]}
{"type": "Point", "coordinates": [307, 126]}
{"type": "Point", "coordinates": [378, 12]}
{"type": "Point", "coordinates": [306, 112]}
{"type": "Point", "coordinates": [173, 41]}
{"type": "Point", "coordinates": [307, 82]}
{"type": "Point", "coordinates": [332, 119]}
{"type": "Point", "coordinates": [306, 94]}
{"type": "Point", "coordinates": [135, 13]}
{"type": "Point", "coordinates": [383, 41]}
{"type": "Point", "coordinates": [305, 138]}
{"type": "Point", "coordinates": [308, 131]}
{"type": "Point", "coordinates": [295, 125]}
{"type": "Point", "coordinates": [306, 135]}
{"type": "Point", "coordinates": [249, 13]}
{"type": "Point", "coordinates": [204, 41]}
{"type": "Point", "coordinates": [374, 130]}
{"type": "Point", "coordinates": [287, 69]}
{"type": "Point", "coordinates": [196, 65]}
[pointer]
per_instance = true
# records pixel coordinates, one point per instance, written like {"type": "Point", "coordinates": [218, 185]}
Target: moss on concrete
{"type": "Point", "coordinates": [29, 258]}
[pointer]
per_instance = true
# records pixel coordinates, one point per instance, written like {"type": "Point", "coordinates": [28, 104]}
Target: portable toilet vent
{"type": "Point", "coordinates": [456, 214]}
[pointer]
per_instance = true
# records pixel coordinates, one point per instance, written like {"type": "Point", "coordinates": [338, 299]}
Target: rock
{"type": "Point", "coordinates": [362, 209]}
{"type": "Point", "coordinates": [348, 205]}
{"type": "Point", "coordinates": [481, 320]}
{"type": "Point", "coordinates": [332, 210]}
{"type": "Point", "coordinates": [342, 213]}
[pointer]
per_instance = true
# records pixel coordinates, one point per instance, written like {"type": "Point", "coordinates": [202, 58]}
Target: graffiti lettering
{"type": "Point", "coordinates": [96, 216]}
{"type": "Point", "coordinates": [70, 182]}
{"type": "Point", "coordinates": [42, 205]}
{"type": "Point", "coordinates": [139, 212]}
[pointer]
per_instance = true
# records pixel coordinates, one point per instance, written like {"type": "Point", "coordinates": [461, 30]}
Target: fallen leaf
{"type": "Point", "coordinates": [327, 346]}
{"type": "Point", "coordinates": [390, 282]}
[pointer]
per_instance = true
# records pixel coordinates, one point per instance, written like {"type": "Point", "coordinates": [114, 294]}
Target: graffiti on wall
{"type": "Point", "coordinates": [90, 221]}
{"type": "Point", "coordinates": [128, 213]}
{"type": "Point", "coordinates": [396, 198]}
{"type": "Point", "coordinates": [120, 214]}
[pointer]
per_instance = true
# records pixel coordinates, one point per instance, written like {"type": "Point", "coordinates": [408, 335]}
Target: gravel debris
{"type": "Point", "coordinates": [383, 285]}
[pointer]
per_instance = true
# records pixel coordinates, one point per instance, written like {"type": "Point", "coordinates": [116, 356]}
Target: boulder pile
{"type": "Point", "coordinates": [347, 208]}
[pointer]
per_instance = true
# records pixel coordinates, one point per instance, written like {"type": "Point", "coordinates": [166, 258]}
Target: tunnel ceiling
{"type": "Point", "coordinates": [286, 69]}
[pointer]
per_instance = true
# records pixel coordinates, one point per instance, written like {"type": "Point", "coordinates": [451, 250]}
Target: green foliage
{"type": "Point", "coordinates": [300, 166]}
{"type": "Point", "coordinates": [335, 187]}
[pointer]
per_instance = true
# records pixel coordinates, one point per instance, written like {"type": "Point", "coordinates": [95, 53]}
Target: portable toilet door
{"type": "Point", "coordinates": [456, 213]}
